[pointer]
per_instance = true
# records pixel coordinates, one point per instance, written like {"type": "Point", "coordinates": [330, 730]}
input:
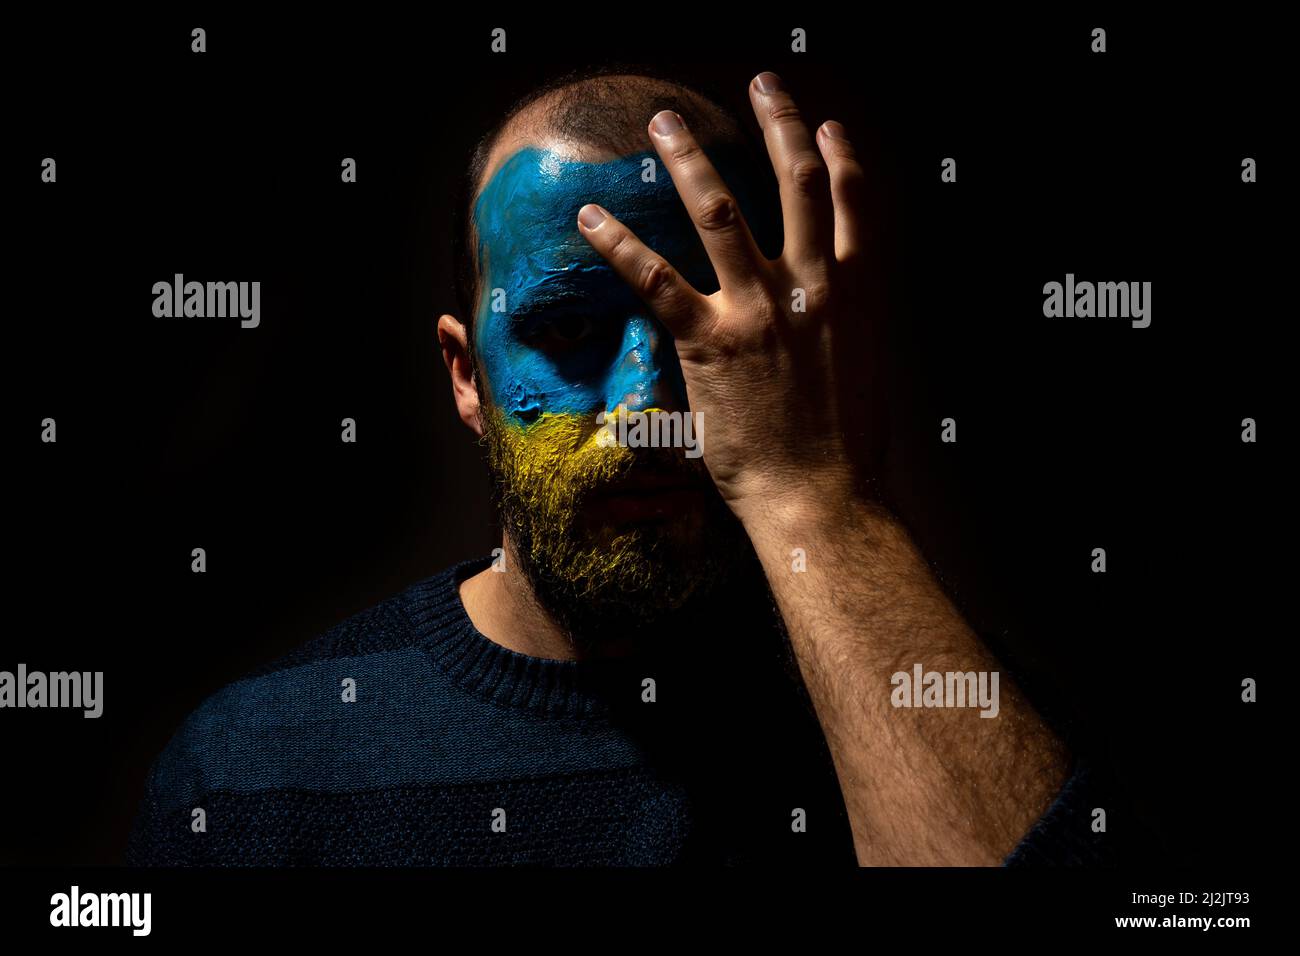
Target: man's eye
{"type": "Point", "coordinates": [568, 328]}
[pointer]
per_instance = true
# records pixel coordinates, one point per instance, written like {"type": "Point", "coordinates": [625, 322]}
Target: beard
{"type": "Point", "coordinates": [601, 581]}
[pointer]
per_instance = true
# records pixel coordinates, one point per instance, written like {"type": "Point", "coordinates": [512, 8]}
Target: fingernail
{"type": "Point", "coordinates": [768, 82]}
{"type": "Point", "coordinates": [667, 122]}
{"type": "Point", "coordinates": [834, 130]}
{"type": "Point", "coordinates": [591, 216]}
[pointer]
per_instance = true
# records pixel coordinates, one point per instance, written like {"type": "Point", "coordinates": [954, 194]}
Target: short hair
{"type": "Point", "coordinates": [605, 107]}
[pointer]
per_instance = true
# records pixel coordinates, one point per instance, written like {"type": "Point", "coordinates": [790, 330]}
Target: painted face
{"type": "Point", "coordinates": [557, 330]}
{"type": "Point", "coordinates": [560, 338]}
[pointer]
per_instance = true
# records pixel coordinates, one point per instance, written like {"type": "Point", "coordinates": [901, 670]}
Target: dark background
{"type": "Point", "coordinates": [1072, 434]}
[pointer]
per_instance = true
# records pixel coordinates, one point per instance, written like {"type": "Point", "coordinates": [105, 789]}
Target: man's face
{"type": "Point", "coordinates": [609, 536]}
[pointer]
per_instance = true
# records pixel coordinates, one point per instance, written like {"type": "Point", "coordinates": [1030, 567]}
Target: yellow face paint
{"type": "Point", "coordinates": [547, 469]}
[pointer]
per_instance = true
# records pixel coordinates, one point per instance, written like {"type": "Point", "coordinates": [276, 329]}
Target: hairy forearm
{"type": "Point", "coordinates": [922, 785]}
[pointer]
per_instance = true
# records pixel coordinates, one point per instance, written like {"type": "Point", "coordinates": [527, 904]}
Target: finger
{"type": "Point", "coordinates": [800, 171]}
{"type": "Point", "coordinates": [736, 258]}
{"type": "Point", "coordinates": [848, 190]}
{"type": "Point", "coordinates": [672, 299]}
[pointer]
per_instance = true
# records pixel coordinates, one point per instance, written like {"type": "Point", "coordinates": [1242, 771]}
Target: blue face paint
{"type": "Point", "coordinates": [572, 337]}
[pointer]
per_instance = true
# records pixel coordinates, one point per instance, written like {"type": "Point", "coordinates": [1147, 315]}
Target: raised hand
{"type": "Point", "coordinates": [774, 359]}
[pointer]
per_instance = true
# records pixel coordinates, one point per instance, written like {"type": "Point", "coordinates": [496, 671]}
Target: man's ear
{"type": "Point", "coordinates": [455, 354]}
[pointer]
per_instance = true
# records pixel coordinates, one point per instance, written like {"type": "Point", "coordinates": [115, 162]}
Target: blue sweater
{"type": "Point", "coordinates": [457, 751]}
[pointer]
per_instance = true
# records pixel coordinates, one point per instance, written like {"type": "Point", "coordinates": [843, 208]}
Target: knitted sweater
{"type": "Point", "coordinates": [403, 736]}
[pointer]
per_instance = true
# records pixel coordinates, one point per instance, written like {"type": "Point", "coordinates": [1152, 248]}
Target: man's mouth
{"type": "Point", "coordinates": [647, 498]}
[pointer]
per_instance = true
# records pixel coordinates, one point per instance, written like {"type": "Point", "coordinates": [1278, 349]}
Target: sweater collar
{"type": "Point", "coordinates": [503, 676]}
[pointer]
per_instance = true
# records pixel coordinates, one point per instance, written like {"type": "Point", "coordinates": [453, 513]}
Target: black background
{"type": "Point", "coordinates": [1073, 434]}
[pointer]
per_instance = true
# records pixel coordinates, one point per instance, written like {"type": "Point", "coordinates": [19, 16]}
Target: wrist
{"type": "Point", "coordinates": [815, 509]}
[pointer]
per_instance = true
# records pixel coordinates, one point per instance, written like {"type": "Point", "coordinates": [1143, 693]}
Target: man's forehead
{"type": "Point", "coordinates": [545, 177]}
{"type": "Point", "coordinates": [524, 214]}
{"type": "Point", "coordinates": [518, 138]}
{"type": "Point", "coordinates": [526, 221]}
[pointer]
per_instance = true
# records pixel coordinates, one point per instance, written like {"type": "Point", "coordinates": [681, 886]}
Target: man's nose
{"type": "Point", "coordinates": [647, 373]}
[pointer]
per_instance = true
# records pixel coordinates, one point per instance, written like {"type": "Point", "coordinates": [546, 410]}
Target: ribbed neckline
{"type": "Point", "coordinates": [495, 673]}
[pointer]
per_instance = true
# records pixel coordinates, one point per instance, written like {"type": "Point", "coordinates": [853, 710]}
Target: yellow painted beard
{"type": "Point", "coordinates": [587, 573]}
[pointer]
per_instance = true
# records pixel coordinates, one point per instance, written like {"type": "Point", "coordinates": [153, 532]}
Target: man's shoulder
{"type": "Point", "coordinates": [375, 629]}
{"type": "Point", "coordinates": [358, 708]}
{"type": "Point", "coordinates": [286, 720]}
{"type": "Point", "coordinates": [391, 624]}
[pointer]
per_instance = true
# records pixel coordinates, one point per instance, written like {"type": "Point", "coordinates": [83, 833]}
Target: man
{"type": "Point", "coordinates": [674, 658]}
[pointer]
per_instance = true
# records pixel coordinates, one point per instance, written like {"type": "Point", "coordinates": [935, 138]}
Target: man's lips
{"type": "Point", "coordinates": [647, 498]}
{"type": "Point", "coordinates": [649, 484]}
